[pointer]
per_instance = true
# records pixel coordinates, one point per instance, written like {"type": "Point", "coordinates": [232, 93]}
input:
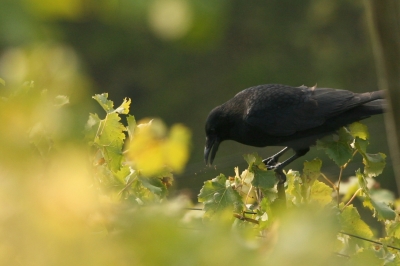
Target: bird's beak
{"type": "Point", "coordinates": [212, 144]}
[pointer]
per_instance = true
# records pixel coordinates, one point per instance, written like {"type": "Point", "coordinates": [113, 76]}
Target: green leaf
{"type": "Point", "coordinates": [124, 107]}
{"type": "Point", "coordinates": [374, 164]}
{"type": "Point", "coordinates": [294, 187]}
{"type": "Point", "coordinates": [102, 99]}
{"type": "Point", "coordinates": [393, 229]}
{"type": "Point", "coordinates": [362, 181]}
{"type": "Point", "coordinates": [61, 100]}
{"type": "Point", "coordinates": [367, 256]}
{"type": "Point", "coordinates": [263, 179]}
{"type": "Point", "coordinates": [130, 119]}
{"type": "Point", "coordinates": [91, 127]}
{"type": "Point", "coordinates": [264, 214]}
{"type": "Point", "coordinates": [383, 211]}
{"type": "Point", "coordinates": [359, 130]}
{"type": "Point", "coordinates": [110, 138]}
{"type": "Point", "coordinates": [320, 193]}
{"type": "Point", "coordinates": [218, 196]}
{"type": "Point", "coordinates": [337, 147]}
{"type": "Point", "coordinates": [361, 145]}
{"type": "Point", "coordinates": [254, 159]}
{"type": "Point", "coordinates": [351, 222]}
{"type": "Point", "coordinates": [311, 171]}
{"type": "Point", "coordinates": [124, 174]}
{"type": "Point", "coordinates": [154, 185]}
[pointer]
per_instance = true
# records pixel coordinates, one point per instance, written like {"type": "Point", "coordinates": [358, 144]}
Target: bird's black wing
{"type": "Point", "coordinates": [281, 110]}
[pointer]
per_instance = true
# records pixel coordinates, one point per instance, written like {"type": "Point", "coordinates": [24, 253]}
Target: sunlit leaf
{"type": "Point", "coordinates": [110, 138]}
{"type": "Point", "coordinates": [130, 119]}
{"type": "Point", "coordinates": [124, 107]}
{"type": "Point", "coordinates": [311, 171]}
{"type": "Point", "coordinates": [320, 193]}
{"type": "Point", "coordinates": [102, 99]}
{"type": "Point", "coordinates": [359, 130]}
{"type": "Point", "coordinates": [177, 148]}
{"type": "Point", "coordinates": [294, 187]}
{"type": "Point", "coordinates": [350, 221]}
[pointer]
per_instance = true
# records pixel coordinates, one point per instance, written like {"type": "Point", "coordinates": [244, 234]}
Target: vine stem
{"type": "Point", "coordinates": [352, 198]}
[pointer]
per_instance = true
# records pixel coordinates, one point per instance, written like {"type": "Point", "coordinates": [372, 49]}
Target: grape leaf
{"type": "Point", "coordinates": [294, 187]}
{"type": "Point", "coordinates": [254, 159]}
{"type": "Point", "coordinates": [110, 138]}
{"type": "Point", "coordinates": [263, 179]}
{"type": "Point", "coordinates": [374, 164]}
{"type": "Point", "coordinates": [337, 147]}
{"type": "Point", "coordinates": [217, 196]}
{"type": "Point", "coordinates": [311, 171]}
{"type": "Point", "coordinates": [351, 222]}
{"type": "Point", "coordinates": [102, 99]}
{"type": "Point", "coordinates": [130, 119]}
{"type": "Point", "coordinates": [381, 209]}
{"type": "Point", "coordinates": [359, 130]}
{"type": "Point", "coordinates": [124, 107]}
{"type": "Point", "coordinates": [154, 185]}
{"type": "Point", "coordinates": [320, 193]}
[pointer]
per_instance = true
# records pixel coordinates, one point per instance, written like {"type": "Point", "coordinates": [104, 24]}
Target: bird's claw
{"type": "Point", "coordinates": [270, 162]}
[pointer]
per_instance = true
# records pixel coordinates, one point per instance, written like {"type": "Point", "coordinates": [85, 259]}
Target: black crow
{"type": "Point", "coordinates": [281, 115]}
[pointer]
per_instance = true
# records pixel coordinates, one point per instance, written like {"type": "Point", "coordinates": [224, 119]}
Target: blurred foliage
{"type": "Point", "coordinates": [174, 59]}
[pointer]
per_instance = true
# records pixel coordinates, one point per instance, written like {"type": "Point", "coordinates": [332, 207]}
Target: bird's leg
{"type": "Point", "coordinates": [273, 160]}
{"type": "Point", "coordinates": [279, 166]}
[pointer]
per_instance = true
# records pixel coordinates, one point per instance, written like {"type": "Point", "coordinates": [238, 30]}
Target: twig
{"type": "Point", "coordinates": [352, 198]}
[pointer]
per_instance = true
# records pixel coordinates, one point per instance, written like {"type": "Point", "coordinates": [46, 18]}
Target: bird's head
{"type": "Point", "coordinates": [217, 130]}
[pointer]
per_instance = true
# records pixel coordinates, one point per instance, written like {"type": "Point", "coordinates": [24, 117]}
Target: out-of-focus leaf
{"type": "Point", "coordinates": [177, 148]}
{"type": "Point", "coordinates": [2, 82]}
{"type": "Point", "coordinates": [40, 139]}
{"type": "Point", "coordinates": [154, 185]}
{"type": "Point", "coordinates": [359, 130]}
{"type": "Point", "coordinates": [364, 257]}
{"type": "Point", "coordinates": [218, 196]}
{"type": "Point", "coordinates": [61, 100]}
{"type": "Point", "coordinates": [151, 150]}
{"type": "Point", "coordinates": [130, 119]}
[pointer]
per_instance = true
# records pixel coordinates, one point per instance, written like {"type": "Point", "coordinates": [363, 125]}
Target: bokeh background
{"type": "Point", "coordinates": [178, 59]}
